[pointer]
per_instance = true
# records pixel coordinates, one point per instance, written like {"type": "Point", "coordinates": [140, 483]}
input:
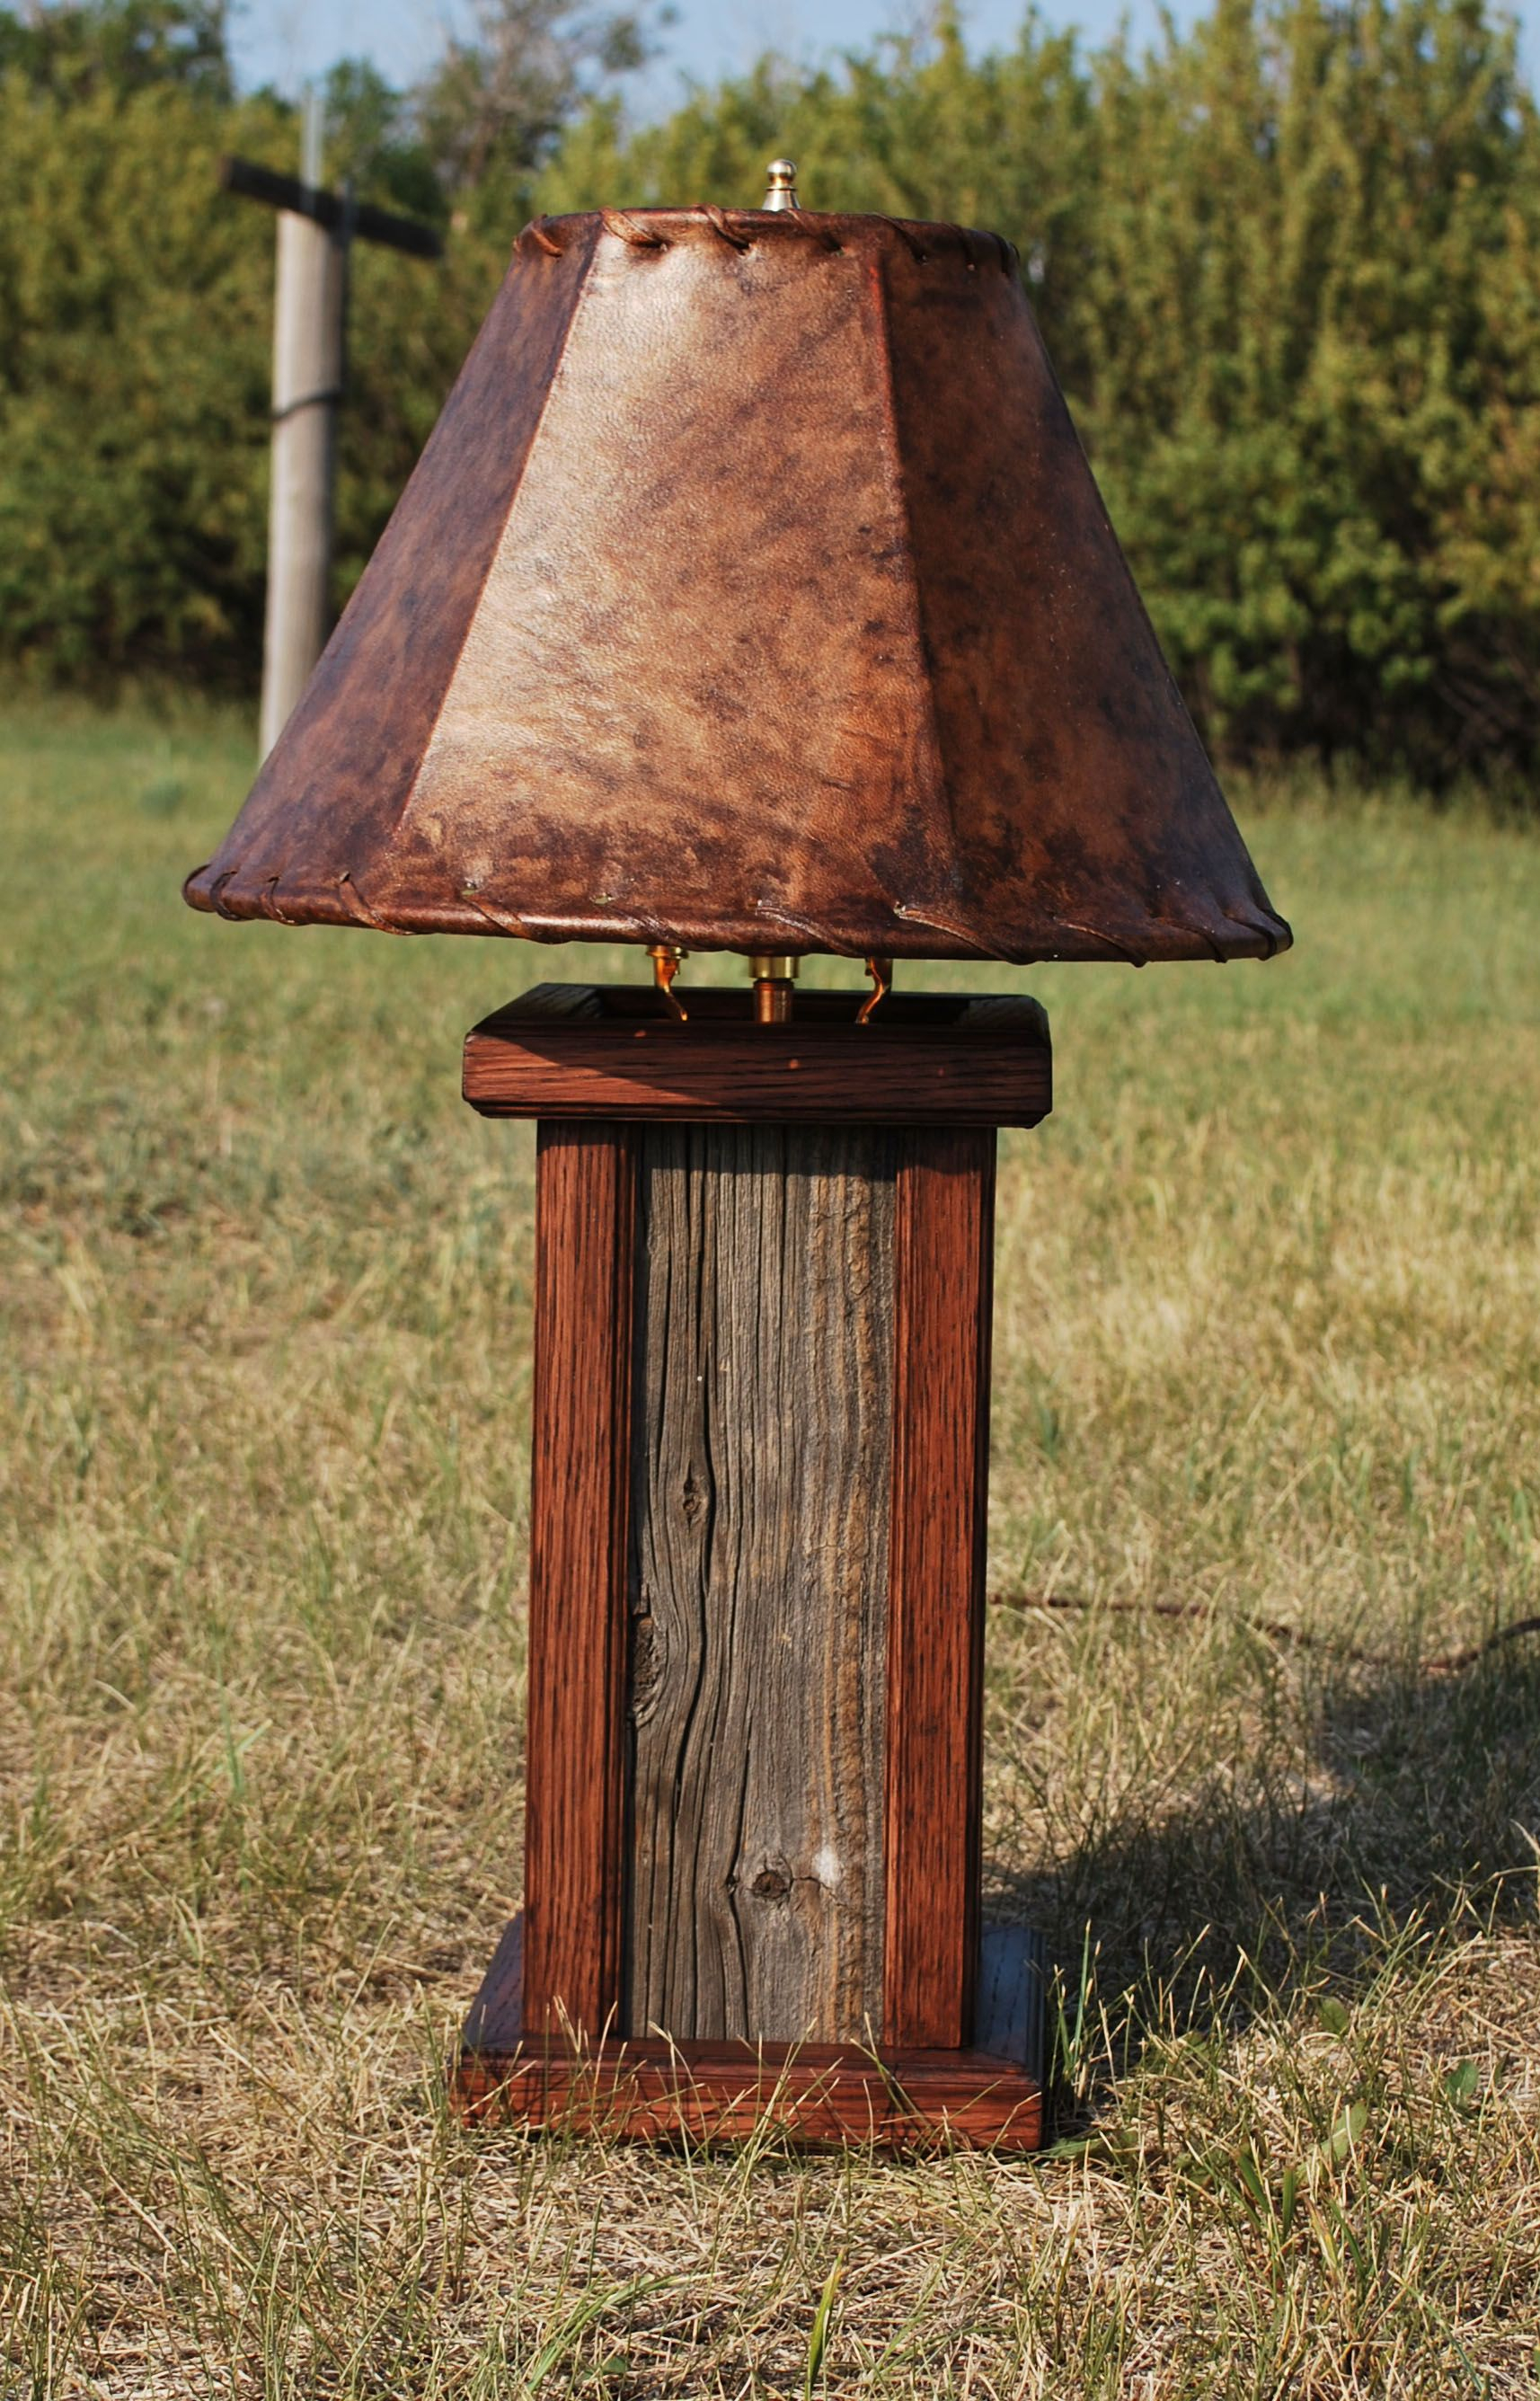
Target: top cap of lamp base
{"type": "Point", "coordinates": [754, 593]}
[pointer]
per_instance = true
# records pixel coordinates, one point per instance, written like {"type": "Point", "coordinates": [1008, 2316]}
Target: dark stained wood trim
{"type": "Point", "coordinates": [574, 1823]}
{"type": "Point", "coordinates": [611, 1052]}
{"type": "Point", "coordinates": [943, 1294]}
{"type": "Point", "coordinates": [986, 2095]}
{"type": "Point", "coordinates": [647, 2092]}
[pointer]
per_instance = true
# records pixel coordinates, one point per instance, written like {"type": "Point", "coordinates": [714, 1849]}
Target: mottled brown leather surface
{"type": "Point", "coordinates": [752, 593]}
{"type": "Point", "coordinates": [312, 844]}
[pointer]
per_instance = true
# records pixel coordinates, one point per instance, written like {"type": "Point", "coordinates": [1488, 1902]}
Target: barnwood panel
{"type": "Point", "coordinates": [761, 1491]}
{"type": "Point", "coordinates": [612, 1051]}
{"type": "Point", "coordinates": [944, 1221]}
{"type": "Point", "coordinates": [574, 1862]}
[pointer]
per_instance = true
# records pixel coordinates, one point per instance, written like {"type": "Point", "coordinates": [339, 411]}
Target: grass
{"type": "Point", "coordinates": [1269, 1348]}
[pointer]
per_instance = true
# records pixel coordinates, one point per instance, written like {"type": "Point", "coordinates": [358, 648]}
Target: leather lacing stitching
{"type": "Point", "coordinates": [503, 919]}
{"type": "Point", "coordinates": [909, 237]}
{"type": "Point", "coordinates": [626, 229]}
{"type": "Point", "coordinates": [809, 225]}
{"type": "Point", "coordinates": [721, 223]}
{"type": "Point", "coordinates": [1271, 928]}
{"type": "Point", "coordinates": [976, 247]}
{"type": "Point", "coordinates": [1109, 942]}
{"type": "Point", "coordinates": [913, 916]}
{"type": "Point", "coordinates": [358, 908]}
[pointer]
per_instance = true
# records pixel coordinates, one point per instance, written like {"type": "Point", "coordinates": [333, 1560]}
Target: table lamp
{"type": "Point", "coordinates": [753, 595]}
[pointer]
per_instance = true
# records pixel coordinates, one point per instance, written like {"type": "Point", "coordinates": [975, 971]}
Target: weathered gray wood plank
{"type": "Point", "coordinates": [760, 1567]}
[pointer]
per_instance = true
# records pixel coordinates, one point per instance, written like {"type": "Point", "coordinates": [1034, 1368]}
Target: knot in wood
{"type": "Point", "coordinates": [695, 1498]}
{"type": "Point", "coordinates": [772, 1884]}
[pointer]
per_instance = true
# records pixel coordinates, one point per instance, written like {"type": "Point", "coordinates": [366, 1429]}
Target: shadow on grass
{"type": "Point", "coordinates": [1414, 1808]}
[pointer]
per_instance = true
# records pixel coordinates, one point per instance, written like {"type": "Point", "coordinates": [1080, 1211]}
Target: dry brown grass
{"type": "Point", "coordinates": [1269, 1346]}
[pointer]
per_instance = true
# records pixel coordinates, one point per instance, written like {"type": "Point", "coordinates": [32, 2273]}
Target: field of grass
{"type": "Point", "coordinates": [1267, 1349]}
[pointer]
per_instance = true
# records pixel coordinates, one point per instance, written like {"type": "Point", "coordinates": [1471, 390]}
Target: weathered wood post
{"type": "Point", "coordinates": [315, 231]}
{"type": "Point", "coordinates": [753, 595]}
{"type": "Point", "coordinates": [309, 336]}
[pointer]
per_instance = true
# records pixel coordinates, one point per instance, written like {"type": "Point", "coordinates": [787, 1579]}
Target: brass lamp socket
{"type": "Point", "coordinates": [774, 973]}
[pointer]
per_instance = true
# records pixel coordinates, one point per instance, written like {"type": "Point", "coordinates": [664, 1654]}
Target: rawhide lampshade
{"type": "Point", "coordinates": [754, 593]}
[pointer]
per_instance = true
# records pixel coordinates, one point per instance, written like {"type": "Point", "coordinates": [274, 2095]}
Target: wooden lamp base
{"type": "Point", "coordinates": [756, 1611]}
{"type": "Point", "coordinates": [986, 2097]}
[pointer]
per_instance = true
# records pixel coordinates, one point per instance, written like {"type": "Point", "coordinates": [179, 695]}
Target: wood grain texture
{"type": "Point", "coordinates": [943, 1240]}
{"type": "Point", "coordinates": [650, 2091]}
{"type": "Point", "coordinates": [575, 1863]}
{"type": "Point", "coordinates": [611, 1052]}
{"type": "Point", "coordinates": [989, 2095]}
{"type": "Point", "coordinates": [759, 1559]}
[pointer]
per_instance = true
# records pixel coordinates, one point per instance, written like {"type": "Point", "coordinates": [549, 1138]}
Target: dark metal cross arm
{"type": "Point", "coordinates": [329, 209]}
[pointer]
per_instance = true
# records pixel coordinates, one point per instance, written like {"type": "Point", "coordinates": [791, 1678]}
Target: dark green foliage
{"type": "Point", "coordinates": [1310, 342]}
{"type": "Point", "coordinates": [135, 338]}
{"type": "Point", "coordinates": [121, 44]}
{"type": "Point", "coordinates": [134, 385]}
{"type": "Point", "coordinates": [1288, 266]}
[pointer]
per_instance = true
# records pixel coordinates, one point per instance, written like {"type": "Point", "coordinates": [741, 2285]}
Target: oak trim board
{"type": "Point", "coordinates": [613, 1052]}
{"type": "Point", "coordinates": [942, 1288]}
{"type": "Point", "coordinates": [578, 1519]}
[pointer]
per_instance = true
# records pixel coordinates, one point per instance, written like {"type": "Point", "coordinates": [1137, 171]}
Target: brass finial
{"type": "Point", "coordinates": [783, 184]}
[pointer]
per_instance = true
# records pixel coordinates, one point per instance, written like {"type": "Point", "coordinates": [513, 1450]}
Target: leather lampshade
{"type": "Point", "coordinates": [754, 593]}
